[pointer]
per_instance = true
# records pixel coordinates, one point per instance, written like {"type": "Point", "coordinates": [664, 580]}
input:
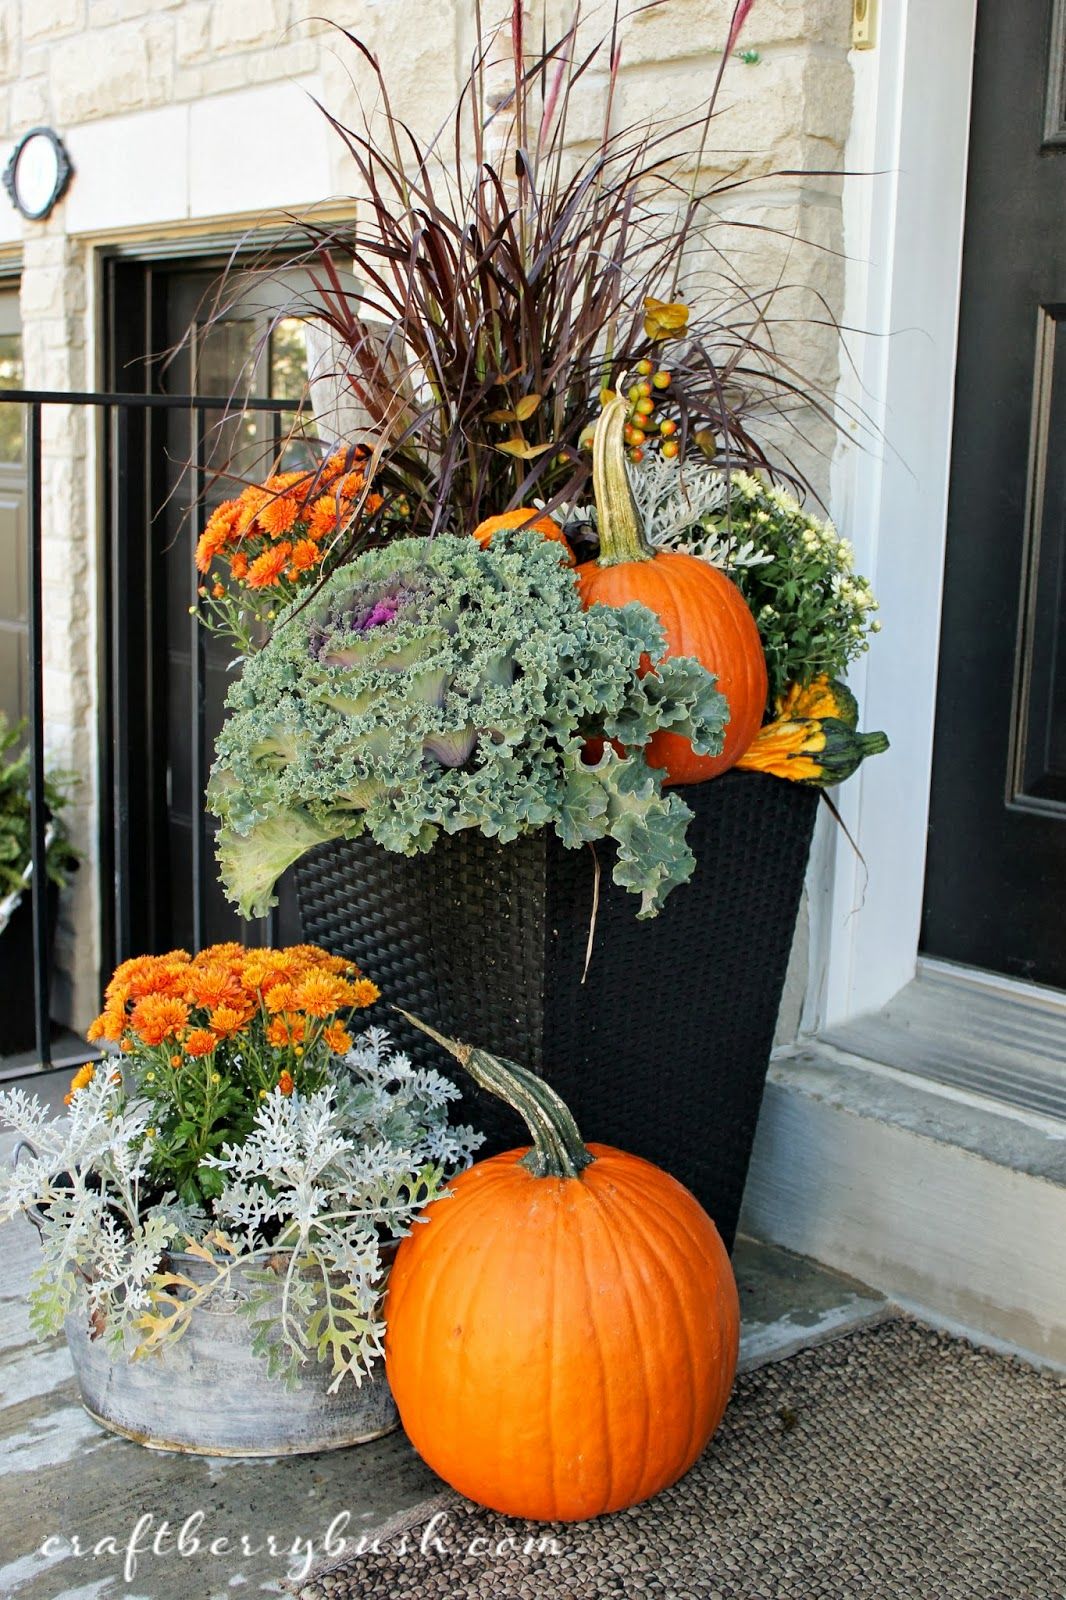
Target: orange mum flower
{"type": "Point", "coordinates": [125, 973]}
{"type": "Point", "coordinates": [338, 1038]}
{"type": "Point", "coordinates": [278, 997]}
{"type": "Point", "coordinates": [305, 555]}
{"type": "Point", "coordinates": [266, 569]}
{"type": "Point", "coordinates": [342, 461]}
{"type": "Point", "coordinates": [365, 992]}
{"type": "Point", "coordinates": [81, 1079]}
{"type": "Point", "coordinates": [306, 955]}
{"type": "Point", "coordinates": [226, 1020]}
{"type": "Point", "coordinates": [214, 953]}
{"type": "Point", "coordinates": [158, 1016]}
{"type": "Point", "coordinates": [282, 482]}
{"type": "Point", "coordinates": [207, 548]}
{"type": "Point", "coordinates": [325, 962]}
{"type": "Point", "coordinates": [326, 516]}
{"type": "Point", "coordinates": [278, 515]}
{"type": "Point", "coordinates": [200, 1043]}
{"type": "Point", "coordinates": [251, 502]}
{"type": "Point", "coordinates": [285, 1083]}
{"type": "Point", "coordinates": [321, 993]}
{"type": "Point", "coordinates": [239, 566]}
{"type": "Point", "coordinates": [163, 977]}
{"type": "Point", "coordinates": [285, 1030]}
{"type": "Point", "coordinates": [263, 971]}
{"type": "Point", "coordinates": [212, 986]}
{"type": "Point", "coordinates": [217, 533]}
{"type": "Point", "coordinates": [110, 1024]}
{"type": "Point", "coordinates": [350, 485]}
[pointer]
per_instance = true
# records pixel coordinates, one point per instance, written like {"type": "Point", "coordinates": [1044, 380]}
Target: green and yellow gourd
{"type": "Point", "coordinates": [814, 736]}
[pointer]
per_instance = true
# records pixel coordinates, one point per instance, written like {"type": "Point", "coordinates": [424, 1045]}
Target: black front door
{"type": "Point", "coordinates": [183, 463]}
{"type": "Point", "coordinates": [996, 876]}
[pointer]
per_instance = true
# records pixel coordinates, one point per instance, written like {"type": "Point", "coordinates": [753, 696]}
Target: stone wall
{"type": "Point", "coordinates": [187, 114]}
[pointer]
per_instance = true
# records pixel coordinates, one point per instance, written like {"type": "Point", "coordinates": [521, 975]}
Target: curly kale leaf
{"type": "Point", "coordinates": [433, 686]}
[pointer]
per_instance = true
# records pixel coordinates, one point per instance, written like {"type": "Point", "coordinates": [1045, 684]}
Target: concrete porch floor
{"type": "Point", "coordinates": [63, 1478]}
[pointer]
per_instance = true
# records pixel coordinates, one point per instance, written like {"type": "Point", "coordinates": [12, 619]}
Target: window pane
{"type": "Point", "coordinates": [288, 381]}
{"type": "Point", "coordinates": [288, 360]}
{"type": "Point", "coordinates": [10, 415]}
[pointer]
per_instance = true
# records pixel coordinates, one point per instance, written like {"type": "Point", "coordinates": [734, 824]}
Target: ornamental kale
{"type": "Point", "coordinates": [433, 685]}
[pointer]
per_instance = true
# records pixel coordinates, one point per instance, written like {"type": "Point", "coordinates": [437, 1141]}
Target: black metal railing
{"type": "Point", "coordinates": [114, 839]}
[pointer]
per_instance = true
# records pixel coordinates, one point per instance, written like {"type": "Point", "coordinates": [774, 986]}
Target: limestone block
{"type": "Point", "coordinates": [193, 36]}
{"type": "Point", "coordinates": [102, 13]}
{"type": "Point", "coordinates": [99, 74]}
{"type": "Point", "coordinates": [9, 42]}
{"type": "Point", "coordinates": [420, 65]}
{"type": "Point", "coordinates": [29, 103]}
{"type": "Point", "coordinates": [243, 24]}
{"type": "Point", "coordinates": [761, 124]}
{"type": "Point", "coordinates": [219, 75]}
{"type": "Point", "coordinates": [158, 36]}
{"type": "Point", "coordinates": [49, 19]}
{"type": "Point", "coordinates": [45, 290]}
{"type": "Point", "coordinates": [201, 71]}
{"type": "Point", "coordinates": [690, 27]}
{"type": "Point", "coordinates": [297, 58]}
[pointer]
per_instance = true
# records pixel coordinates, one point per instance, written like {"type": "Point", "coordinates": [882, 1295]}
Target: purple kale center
{"type": "Point", "coordinates": [383, 611]}
{"type": "Point", "coordinates": [368, 606]}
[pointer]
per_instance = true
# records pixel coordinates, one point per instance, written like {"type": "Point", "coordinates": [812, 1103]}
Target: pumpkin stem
{"type": "Point", "coordinates": [621, 530]}
{"type": "Point", "coordinates": [558, 1150]}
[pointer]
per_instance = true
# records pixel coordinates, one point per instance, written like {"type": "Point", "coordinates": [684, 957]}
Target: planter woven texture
{"type": "Point", "coordinates": [894, 1464]}
{"type": "Point", "coordinates": [663, 1049]}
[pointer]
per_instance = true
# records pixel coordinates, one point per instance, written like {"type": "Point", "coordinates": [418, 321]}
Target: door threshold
{"type": "Point", "coordinates": [987, 1035]}
{"type": "Point", "coordinates": [968, 979]}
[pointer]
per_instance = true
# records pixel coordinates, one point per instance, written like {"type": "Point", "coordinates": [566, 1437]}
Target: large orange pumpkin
{"type": "Point", "coordinates": [562, 1332]}
{"type": "Point", "coordinates": [703, 613]}
{"type": "Point", "coordinates": [524, 517]}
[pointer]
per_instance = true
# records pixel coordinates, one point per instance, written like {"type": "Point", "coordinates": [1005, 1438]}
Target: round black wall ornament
{"type": "Point", "coordinates": [37, 175]}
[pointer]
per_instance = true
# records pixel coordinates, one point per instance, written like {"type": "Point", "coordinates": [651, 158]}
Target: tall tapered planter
{"type": "Point", "coordinates": [662, 1049]}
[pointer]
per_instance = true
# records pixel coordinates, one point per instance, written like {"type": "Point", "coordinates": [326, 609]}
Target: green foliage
{"type": "Point", "coordinates": [813, 612]}
{"type": "Point", "coordinates": [433, 685]}
{"type": "Point", "coordinates": [15, 849]}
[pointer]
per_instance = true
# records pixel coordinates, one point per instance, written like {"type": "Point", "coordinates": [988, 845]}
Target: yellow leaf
{"type": "Point", "coordinates": [194, 1248]}
{"type": "Point", "coordinates": [501, 416]}
{"type": "Point", "coordinates": [524, 451]}
{"type": "Point", "coordinates": [526, 406]}
{"type": "Point", "coordinates": [664, 319]}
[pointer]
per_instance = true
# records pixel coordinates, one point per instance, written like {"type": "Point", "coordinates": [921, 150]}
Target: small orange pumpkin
{"type": "Point", "coordinates": [524, 517]}
{"type": "Point", "coordinates": [703, 613]}
{"type": "Point", "coordinates": [562, 1331]}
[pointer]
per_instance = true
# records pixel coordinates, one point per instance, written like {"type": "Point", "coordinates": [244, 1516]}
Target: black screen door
{"type": "Point", "coordinates": [996, 876]}
{"type": "Point", "coordinates": [183, 464]}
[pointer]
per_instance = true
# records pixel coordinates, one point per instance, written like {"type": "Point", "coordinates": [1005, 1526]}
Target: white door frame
{"type": "Point", "coordinates": [904, 214]}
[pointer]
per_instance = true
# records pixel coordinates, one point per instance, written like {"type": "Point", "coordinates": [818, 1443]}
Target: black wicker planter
{"type": "Point", "coordinates": [663, 1050]}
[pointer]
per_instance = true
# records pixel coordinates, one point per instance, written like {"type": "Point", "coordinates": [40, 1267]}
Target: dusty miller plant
{"type": "Point", "coordinates": [308, 1200]}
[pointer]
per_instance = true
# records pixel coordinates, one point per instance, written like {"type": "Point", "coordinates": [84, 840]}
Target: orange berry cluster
{"type": "Point", "coordinates": [643, 407]}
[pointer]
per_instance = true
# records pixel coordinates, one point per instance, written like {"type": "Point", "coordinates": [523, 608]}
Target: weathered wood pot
{"type": "Point", "coordinates": [207, 1394]}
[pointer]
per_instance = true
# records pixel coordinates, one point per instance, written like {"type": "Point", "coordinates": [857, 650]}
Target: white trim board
{"type": "Point", "coordinates": [904, 219]}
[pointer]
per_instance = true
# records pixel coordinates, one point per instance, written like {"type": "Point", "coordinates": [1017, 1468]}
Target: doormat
{"type": "Point", "coordinates": [896, 1463]}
